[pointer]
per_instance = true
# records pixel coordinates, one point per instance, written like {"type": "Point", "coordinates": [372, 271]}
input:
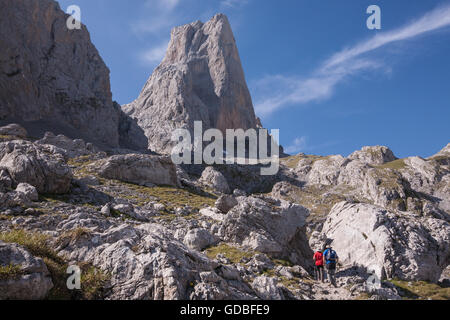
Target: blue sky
{"type": "Point", "coordinates": [314, 69]}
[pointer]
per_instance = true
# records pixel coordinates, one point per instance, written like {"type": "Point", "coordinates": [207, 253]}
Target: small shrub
{"type": "Point", "coordinates": [10, 271]}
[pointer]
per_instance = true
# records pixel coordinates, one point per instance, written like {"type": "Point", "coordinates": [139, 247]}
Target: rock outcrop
{"type": "Point", "coordinates": [274, 227]}
{"type": "Point", "coordinates": [51, 76]}
{"type": "Point", "coordinates": [14, 130]}
{"type": "Point", "coordinates": [375, 155]}
{"type": "Point", "coordinates": [215, 180]}
{"type": "Point", "coordinates": [38, 165]}
{"type": "Point", "coordinates": [28, 279]}
{"type": "Point", "coordinates": [393, 244]}
{"type": "Point", "coordinates": [200, 79]}
{"type": "Point", "coordinates": [375, 174]}
{"type": "Point", "coordinates": [70, 148]}
{"type": "Point", "coordinates": [139, 169]}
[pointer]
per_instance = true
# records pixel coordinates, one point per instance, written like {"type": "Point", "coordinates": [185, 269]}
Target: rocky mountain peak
{"type": "Point", "coordinates": [200, 79]}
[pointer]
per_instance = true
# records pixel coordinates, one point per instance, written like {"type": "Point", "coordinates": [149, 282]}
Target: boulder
{"type": "Point", "coordinates": [28, 190]}
{"type": "Point", "coordinates": [274, 227]}
{"type": "Point", "coordinates": [28, 278]}
{"type": "Point", "coordinates": [266, 288]}
{"type": "Point", "coordinates": [37, 165]}
{"type": "Point", "coordinates": [225, 203]}
{"type": "Point", "coordinates": [15, 130]}
{"type": "Point", "coordinates": [215, 180]}
{"type": "Point", "coordinates": [199, 239]}
{"type": "Point", "coordinates": [72, 148]}
{"type": "Point", "coordinates": [138, 169]}
{"type": "Point", "coordinates": [393, 244]}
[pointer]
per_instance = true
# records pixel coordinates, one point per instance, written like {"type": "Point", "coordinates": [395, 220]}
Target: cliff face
{"type": "Point", "coordinates": [51, 77]}
{"type": "Point", "coordinates": [200, 79]}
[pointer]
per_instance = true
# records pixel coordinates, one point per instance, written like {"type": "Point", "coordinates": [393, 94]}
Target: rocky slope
{"type": "Point", "coordinates": [200, 79]}
{"type": "Point", "coordinates": [136, 237]}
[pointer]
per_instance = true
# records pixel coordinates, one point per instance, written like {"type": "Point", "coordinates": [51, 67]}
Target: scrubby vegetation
{"type": "Point", "coordinates": [10, 271]}
{"type": "Point", "coordinates": [234, 254]}
{"type": "Point", "coordinates": [421, 290]}
{"type": "Point", "coordinates": [92, 279]}
{"type": "Point", "coordinates": [292, 161]}
{"type": "Point", "coordinates": [396, 165]}
{"type": "Point", "coordinates": [170, 197]}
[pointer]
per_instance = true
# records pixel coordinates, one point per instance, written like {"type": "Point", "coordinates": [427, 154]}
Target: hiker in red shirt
{"type": "Point", "coordinates": [318, 265]}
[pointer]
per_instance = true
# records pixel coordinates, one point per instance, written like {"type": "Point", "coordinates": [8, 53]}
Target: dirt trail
{"type": "Point", "coordinates": [326, 291]}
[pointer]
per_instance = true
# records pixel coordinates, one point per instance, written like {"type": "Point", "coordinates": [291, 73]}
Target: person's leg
{"type": "Point", "coordinates": [333, 276]}
{"type": "Point", "coordinates": [321, 273]}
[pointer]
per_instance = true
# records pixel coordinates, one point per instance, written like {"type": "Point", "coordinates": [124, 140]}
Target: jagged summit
{"type": "Point", "coordinates": [200, 79]}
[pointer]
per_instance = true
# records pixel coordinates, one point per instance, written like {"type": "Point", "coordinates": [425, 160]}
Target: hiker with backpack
{"type": "Point", "coordinates": [318, 265]}
{"type": "Point", "coordinates": [331, 259]}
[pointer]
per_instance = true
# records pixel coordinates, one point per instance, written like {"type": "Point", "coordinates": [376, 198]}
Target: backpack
{"type": "Point", "coordinates": [331, 256]}
{"type": "Point", "coordinates": [318, 258]}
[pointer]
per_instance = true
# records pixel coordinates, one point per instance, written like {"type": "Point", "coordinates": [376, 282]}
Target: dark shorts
{"type": "Point", "coordinates": [331, 266]}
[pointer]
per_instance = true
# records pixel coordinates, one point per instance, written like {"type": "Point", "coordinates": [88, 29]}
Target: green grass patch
{"type": "Point", "coordinates": [54, 198]}
{"type": "Point", "coordinates": [234, 254]}
{"type": "Point", "coordinates": [288, 283]}
{"type": "Point", "coordinates": [363, 296]}
{"type": "Point", "coordinates": [35, 242]}
{"type": "Point", "coordinates": [421, 290]}
{"type": "Point", "coordinates": [10, 271]}
{"type": "Point", "coordinates": [73, 235]}
{"type": "Point", "coordinates": [281, 262]}
{"type": "Point", "coordinates": [292, 161]}
{"type": "Point", "coordinates": [396, 165]}
{"type": "Point", "coordinates": [81, 167]}
{"type": "Point", "coordinates": [171, 197]}
{"type": "Point", "coordinates": [92, 280]}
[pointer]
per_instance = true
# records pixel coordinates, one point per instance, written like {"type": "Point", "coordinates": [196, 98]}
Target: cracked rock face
{"type": "Point", "coordinates": [270, 226]}
{"type": "Point", "coordinates": [393, 244]}
{"type": "Point", "coordinates": [200, 79]}
{"type": "Point", "coordinates": [52, 74]}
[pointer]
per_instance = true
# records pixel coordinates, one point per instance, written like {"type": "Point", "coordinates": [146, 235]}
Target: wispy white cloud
{"type": "Point", "coordinates": [233, 3]}
{"type": "Point", "coordinates": [340, 66]}
{"type": "Point", "coordinates": [159, 16]}
{"type": "Point", "coordinates": [154, 56]}
{"type": "Point", "coordinates": [298, 145]}
{"type": "Point", "coordinates": [166, 5]}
